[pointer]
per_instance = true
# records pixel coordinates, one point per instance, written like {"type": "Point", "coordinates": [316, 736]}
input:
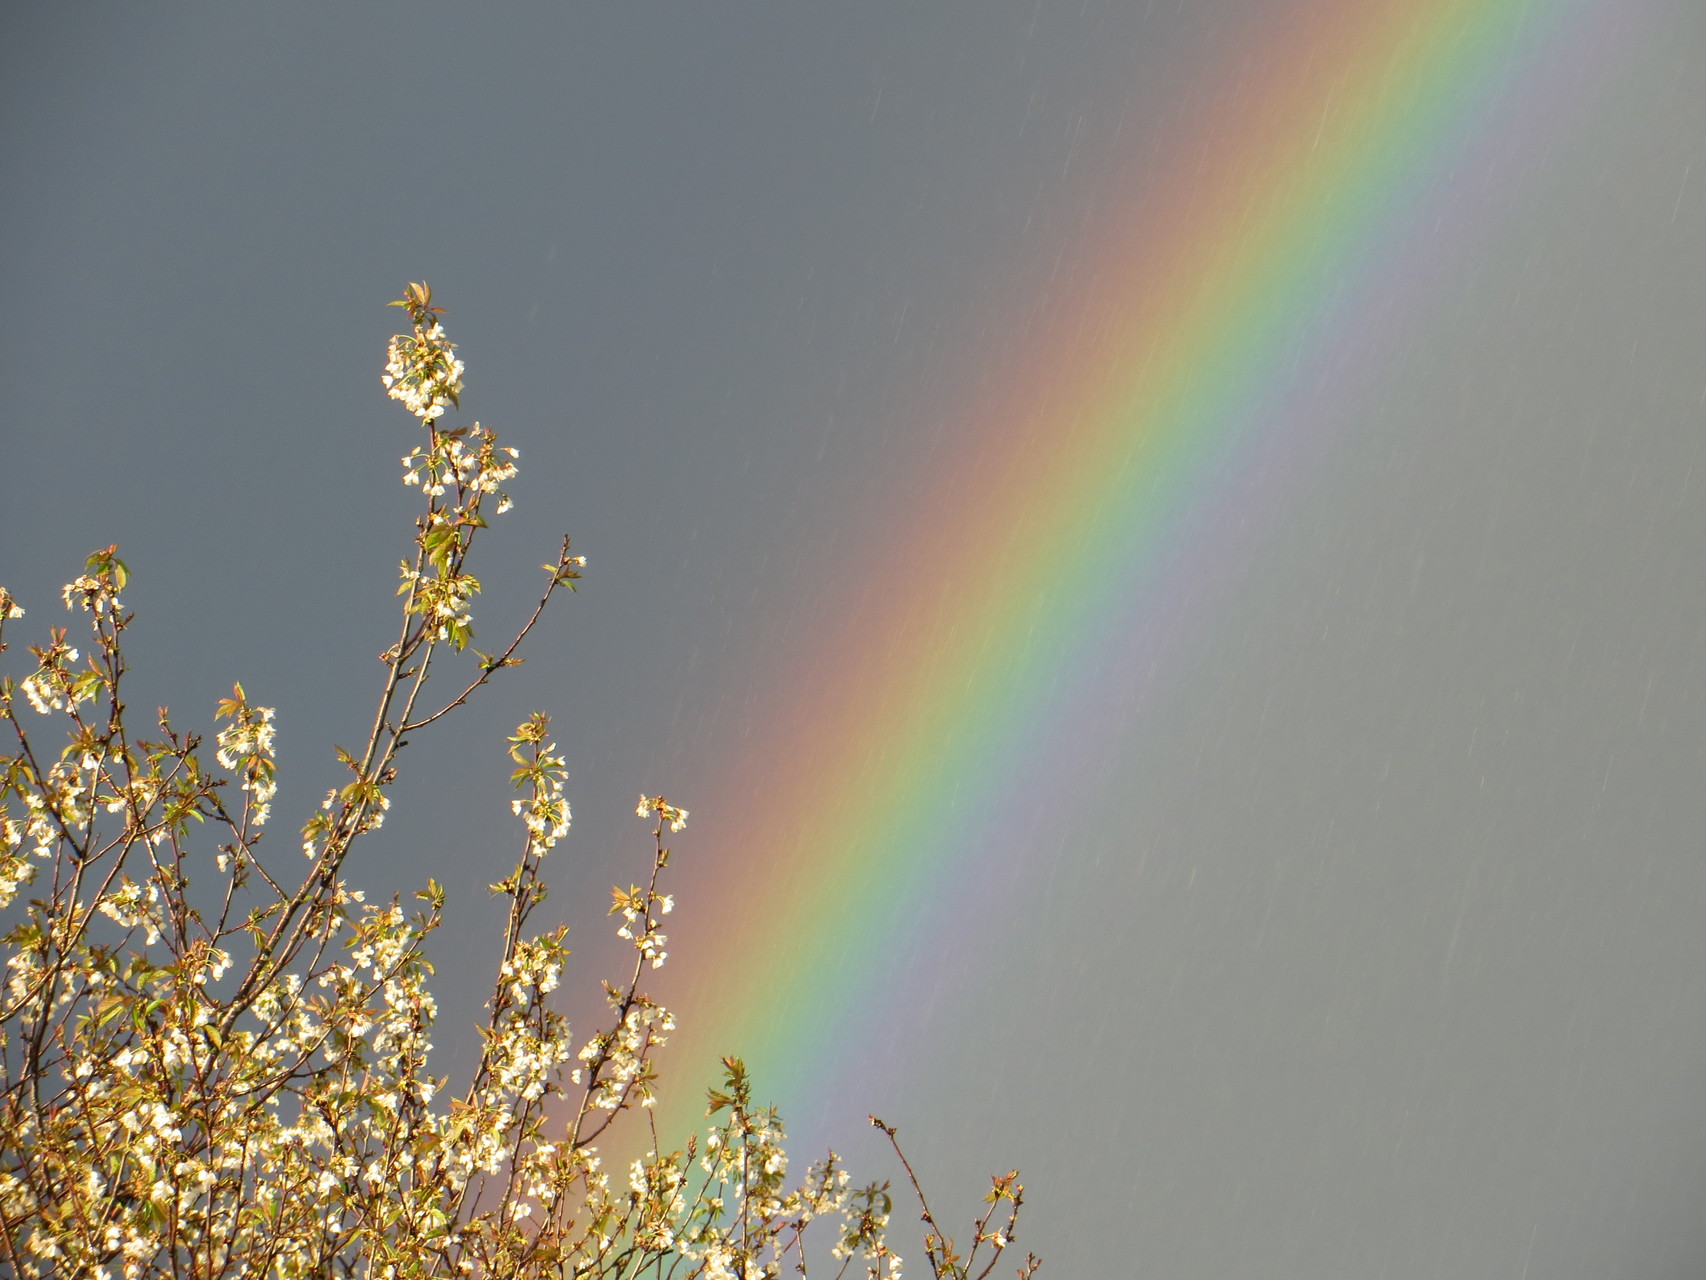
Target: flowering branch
{"type": "Point", "coordinates": [211, 1068]}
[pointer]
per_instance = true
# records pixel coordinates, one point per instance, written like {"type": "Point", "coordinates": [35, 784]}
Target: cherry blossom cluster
{"type": "Point", "coordinates": [421, 367]}
{"type": "Point", "coordinates": [246, 745]}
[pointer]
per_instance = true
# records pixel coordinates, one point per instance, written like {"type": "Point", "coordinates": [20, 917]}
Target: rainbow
{"type": "Point", "coordinates": [1288, 250]}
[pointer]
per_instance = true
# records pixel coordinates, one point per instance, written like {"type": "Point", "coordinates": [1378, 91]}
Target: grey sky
{"type": "Point", "coordinates": [1393, 965]}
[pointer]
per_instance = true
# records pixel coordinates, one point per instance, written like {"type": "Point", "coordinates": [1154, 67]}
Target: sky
{"type": "Point", "coordinates": [1158, 542]}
